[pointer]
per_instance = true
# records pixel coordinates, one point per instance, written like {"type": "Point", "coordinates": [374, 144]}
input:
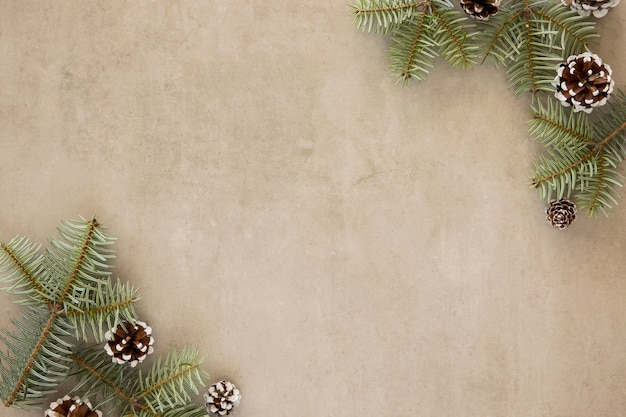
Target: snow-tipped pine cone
{"type": "Point", "coordinates": [221, 398]}
{"type": "Point", "coordinates": [583, 82]}
{"type": "Point", "coordinates": [129, 343]}
{"type": "Point", "coordinates": [599, 8]}
{"type": "Point", "coordinates": [480, 9]}
{"type": "Point", "coordinates": [71, 407]}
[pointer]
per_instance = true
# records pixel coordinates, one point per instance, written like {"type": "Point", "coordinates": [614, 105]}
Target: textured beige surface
{"type": "Point", "coordinates": [337, 245]}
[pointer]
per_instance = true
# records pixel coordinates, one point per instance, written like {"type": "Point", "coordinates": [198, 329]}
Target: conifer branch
{"type": "Point", "coordinates": [385, 15]}
{"type": "Point", "coordinates": [72, 287]}
{"type": "Point", "coordinates": [614, 134]}
{"type": "Point", "coordinates": [412, 53]}
{"type": "Point", "coordinates": [163, 392]}
{"type": "Point", "coordinates": [20, 265]}
{"type": "Point", "coordinates": [500, 27]}
{"type": "Point", "coordinates": [452, 37]}
{"type": "Point", "coordinates": [78, 264]}
{"type": "Point", "coordinates": [94, 372]}
{"type": "Point", "coordinates": [19, 385]}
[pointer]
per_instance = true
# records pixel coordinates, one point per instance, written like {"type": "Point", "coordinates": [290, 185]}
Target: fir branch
{"type": "Point", "coordinates": [20, 267]}
{"type": "Point", "coordinates": [412, 53]}
{"type": "Point", "coordinates": [163, 392]}
{"type": "Point", "coordinates": [168, 381]}
{"type": "Point", "coordinates": [41, 347]}
{"type": "Point", "coordinates": [451, 37]}
{"type": "Point", "coordinates": [601, 189]}
{"type": "Point", "coordinates": [530, 37]}
{"type": "Point", "coordinates": [385, 15]}
{"type": "Point", "coordinates": [75, 294]}
{"type": "Point", "coordinates": [562, 172]}
{"type": "Point", "coordinates": [99, 375]}
{"type": "Point", "coordinates": [556, 128]}
{"type": "Point", "coordinates": [112, 305]}
{"type": "Point", "coordinates": [582, 159]}
{"type": "Point", "coordinates": [573, 33]}
{"type": "Point", "coordinates": [496, 37]}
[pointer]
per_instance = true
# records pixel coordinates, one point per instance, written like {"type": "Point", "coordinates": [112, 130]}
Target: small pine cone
{"type": "Point", "coordinates": [480, 9]}
{"type": "Point", "coordinates": [129, 343]}
{"type": "Point", "coordinates": [599, 8]}
{"type": "Point", "coordinates": [71, 407]}
{"type": "Point", "coordinates": [221, 398]}
{"type": "Point", "coordinates": [583, 82]}
{"type": "Point", "coordinates": [561, 213]}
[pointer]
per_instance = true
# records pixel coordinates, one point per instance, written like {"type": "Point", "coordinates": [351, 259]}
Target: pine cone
{"type": "Point", "coordinates": [71, 407]}
{"type": "Point", "coordinates": [561, 213]}
{"type": "Point", "coordinates": [599, 8]}
{"type": "Point", "coordinates": [129, 343]}
{"type": "Point", "coordinates": [583, 82]}
{"type": "Point", "coordinates": [221, 398]}
{"type": "Point", "coordinates": [480, 9]}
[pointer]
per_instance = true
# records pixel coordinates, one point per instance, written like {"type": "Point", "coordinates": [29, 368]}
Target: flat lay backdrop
{"type": "Point", "coordinates": [334, 243]}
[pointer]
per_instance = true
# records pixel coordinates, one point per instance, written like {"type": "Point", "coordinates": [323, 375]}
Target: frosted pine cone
{"type": "Point", "coordinates": [71, 407]}
{"type": "Point", "coordinates": [583, 82]}
{"type": "Point", "coordinates": [129, 343]}
{"type": "Point", "coordinates": [221, 398]}
{"type": "Point", "coordinates": [561, 213]}
{"type": "Point", "coordinates": [480, 9]}
{"type": "Point", "coordinates": [599, 8]}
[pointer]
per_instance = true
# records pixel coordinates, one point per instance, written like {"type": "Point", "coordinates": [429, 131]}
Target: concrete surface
{"type": "Point", "coordinates": [336, 244]}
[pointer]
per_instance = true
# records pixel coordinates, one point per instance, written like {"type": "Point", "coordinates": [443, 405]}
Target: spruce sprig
{"type": "Point", "coordinates": [65, 290]}
{"type": "Point", "coordinates": [530, 37]}
{"type": "Point", "coordinates": [163, 391]}
{"type": "Point", "coordinates": [582, 155]}
{"type": "Point", "coordinates": [420, 31]}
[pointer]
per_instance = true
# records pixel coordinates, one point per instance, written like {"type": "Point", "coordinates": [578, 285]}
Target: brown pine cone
{"type": "Point", "coordinates": [480, 9]}
{"type": "Point", "coordinates": [129, 343]}
{"type": "Point", "coordinates": [583, 82]}
{"type": "Point", "coordinates": [599, 8]}
{"type": "Point", "coordinates": [71, 407]}
{"type": "Point", "coordinates": [561, 213]}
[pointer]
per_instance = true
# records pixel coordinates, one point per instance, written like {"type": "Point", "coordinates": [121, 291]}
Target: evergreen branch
{"type": "Point", "coordinates": [36, 360]}
{"type": "Point", "coordinates": [19, 385]}
{"type": "Point", "coordinates": [563, 172]}
{"type": "Point", "coordinates": [611, 136]}
{"type": "Point", "coordinates": [601, 189]}
{"type": "Point", "coordinates": [20, 265]}
{"type": "Point", "coordinates": [495, 31]}
{"type": "Point", "coordinates": [168, 381]}
{"type": "Point", "coordinates": [452, 38]}
{"type": "Point", "coordinates": [412, 52]}
{"type": "Point", "coordinates": [163, 392]}
{"type": "Point", "coordinates": [554, 127]}
{"type": "Point", "coordinates": [385, 15]}
{"type": "Point", "coordinates": [95, 372]}
{"type": "Point", "coordinates": [80, 259]}
{"type": "Point", "coordinates": [576, 32]}
{"type": "Point", "coordinates": [112, 304]}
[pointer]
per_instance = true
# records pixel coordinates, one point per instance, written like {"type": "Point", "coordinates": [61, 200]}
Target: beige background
{"type": "Point", "coordinates": [336, 244]}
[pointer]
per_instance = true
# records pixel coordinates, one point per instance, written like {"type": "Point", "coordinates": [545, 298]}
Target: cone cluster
{"type": "Point", "coordinates": [561, 213]}
{"type": "Point", "coordinates": [583, 82]}
{"type": "Point", "coordinates": [480, 9]}
{"type": "Point", "coordinates": [221, 398]}
{"type": "Point", "coordinates": [599, 8]}
{"type": "Point", "coordinates": [71, 407]}
{"type": "Point", "coordinates": [129, 343]}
